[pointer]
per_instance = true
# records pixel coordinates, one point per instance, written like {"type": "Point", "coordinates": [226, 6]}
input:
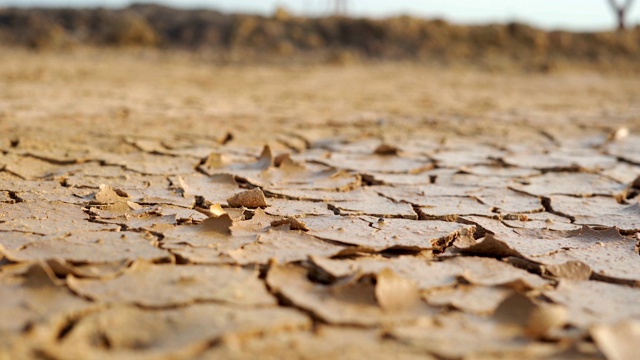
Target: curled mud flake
{"type": "Point", "coordinates": [535, 320]}
{"type": "Point", "coordinates": [112, 199]}
{"type": "Point", "coordinates": [221, 224]}
{"type": "Point", "coordinates": [214, 210]}
{"type": "Point", "coordinates": [515, 309]}
{"type": "Point", "coordinates": [492, 272]}
{"type": "Point", "coordinates": [265, 160]}
{"type": "Point", "coordinates": [260, 222]}
{"type": "Point", "coordinates": [237, 165]}
{"type": "Point", "coordinates": [571, 270]}
{"type": "Point", "coordinates": [109, 195]}
{"type": "Point", "coordinates": [92, 270]}
{"type": "Point", "coordinates": [353, 302]}
{"type": "Point", "coordinates": [386, 149]}
{"type": "Point", "coordinates": [151, 285]}
{"type": "Point", "coordinates": [618, 341]}
{"type": "Point", "coordinates": [181, 332]}
{"type": "Point", "coordinates": [545, 319]}
{"type": "Point", "coordinates": [39, 274]}
{"type": "Point", "coordinates": [480, 300]}
{"type": "Point", "coordinates": [463, 241]}
{"type": "Point", "coordinates": [618, 134]}
{"type": "Point", "coordinates": [488, 245]}
{"type": "Point", "coordinates": [595, 302]}
{"type": "Point", "coordinates": [284, 160]}
{"type": "Point", "coordinates": [394, 292]}
{"type": "Point", "coordinates": [182, 185]}
{"type": "Point", "coordinates": [293, 223]}
{"type": "Point", "coordinates": [253, 198]}
{"type": "Point", "coordinates": [214, 189]}
{"type": "Point", "coordinates": [213, 162]}
{"type": "Point", "coordinates": [238, 214]}
{"type": "Point", "coordinates": [133, 206]}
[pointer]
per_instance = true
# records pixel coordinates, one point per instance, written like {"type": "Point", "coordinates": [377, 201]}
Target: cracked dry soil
{"type": "Point", "coordinates": [155, 206]}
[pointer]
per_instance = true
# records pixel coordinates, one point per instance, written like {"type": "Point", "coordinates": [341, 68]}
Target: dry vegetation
{"type": "Point", "coordinates": [283, 37]}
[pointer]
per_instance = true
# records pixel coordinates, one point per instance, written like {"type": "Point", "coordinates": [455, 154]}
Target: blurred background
{"type": "Point", "coordinates": [579, 15]}
{"type": "Point", "coordinates": [541, 34]}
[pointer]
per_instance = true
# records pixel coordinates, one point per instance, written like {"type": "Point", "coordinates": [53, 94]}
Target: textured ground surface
{"type": "Point", "coordinates": [155, 205]}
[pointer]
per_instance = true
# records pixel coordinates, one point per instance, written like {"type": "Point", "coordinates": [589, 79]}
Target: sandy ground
{"type": "Point", "coordinates": [156, 205]}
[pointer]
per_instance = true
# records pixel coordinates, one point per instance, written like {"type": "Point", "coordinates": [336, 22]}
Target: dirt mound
{"type": "Point", "coordinates": [283, 36]}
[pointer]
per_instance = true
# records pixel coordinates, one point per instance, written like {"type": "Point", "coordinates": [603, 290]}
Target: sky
{"type": "Point", "coordinates": [548, 14]}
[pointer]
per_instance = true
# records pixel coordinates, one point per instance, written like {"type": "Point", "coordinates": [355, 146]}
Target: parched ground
{"type": "Point", "coordinates": [155, 205]}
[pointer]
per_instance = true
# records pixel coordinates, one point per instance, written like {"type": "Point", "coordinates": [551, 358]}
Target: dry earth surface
{"type": "Point", "coordinates": [154, 205]}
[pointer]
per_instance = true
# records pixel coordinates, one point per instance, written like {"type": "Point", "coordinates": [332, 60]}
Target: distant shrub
{"type": "Point", "coordinates": [131, 30]}
{"type": "Point", "coordinates": [52, 36]}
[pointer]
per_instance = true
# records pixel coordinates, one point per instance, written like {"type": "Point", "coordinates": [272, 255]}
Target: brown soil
{"type": "Point", "coordinates": [385, 210]}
